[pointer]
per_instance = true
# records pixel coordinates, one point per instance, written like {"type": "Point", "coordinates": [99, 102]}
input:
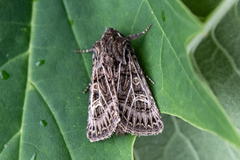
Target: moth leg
{"type": "Point", "coordinates": [89, 85]}
{"type": "Point", "coordinates": [149, 78]}
{"type": "Point", "coordinates": [88, 50]}
{"type": "Point", "coordinates": [134, 36]}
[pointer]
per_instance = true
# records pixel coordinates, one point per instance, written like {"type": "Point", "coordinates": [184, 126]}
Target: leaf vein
{"type": "Point", "coordinates": [54, 117]}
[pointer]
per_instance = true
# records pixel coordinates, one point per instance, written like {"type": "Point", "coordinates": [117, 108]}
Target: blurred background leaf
{"type": "Point", "coordinates": [181, 140]}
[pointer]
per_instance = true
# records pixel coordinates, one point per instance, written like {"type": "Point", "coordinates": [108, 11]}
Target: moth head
{"type": "Point", "coordinates": [110, 32]}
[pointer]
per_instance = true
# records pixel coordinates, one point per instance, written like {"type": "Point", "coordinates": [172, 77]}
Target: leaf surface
{"type": "Point", "coordinates": [183, 141]}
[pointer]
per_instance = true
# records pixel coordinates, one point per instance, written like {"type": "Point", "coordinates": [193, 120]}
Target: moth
{"type": "Point", "coordinates": [120, 100]}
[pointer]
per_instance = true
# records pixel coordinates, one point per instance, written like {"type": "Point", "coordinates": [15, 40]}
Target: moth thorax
{"type": "Point", "coordinates": [107, 59]}
{"type": "Point", "coordinates": [121, 52]}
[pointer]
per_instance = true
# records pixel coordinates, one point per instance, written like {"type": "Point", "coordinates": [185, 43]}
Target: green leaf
{"type": "Point", "coordinates": [180, 140]}
{"type": "Point", "coordinates": [216, 58]}
{"type": "Point", "coordinates": [43, 112]}
{"type": "Point", "coordinates": [202, 8]}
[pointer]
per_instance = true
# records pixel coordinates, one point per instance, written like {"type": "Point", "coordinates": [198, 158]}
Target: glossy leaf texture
{"type": "Point", "coordinates": [43, 111]}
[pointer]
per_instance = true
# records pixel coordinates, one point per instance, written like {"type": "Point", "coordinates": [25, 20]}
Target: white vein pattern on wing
{"type": "Point", "coordinates": [148, 97]}
{"type": "Point", "coordinates": [108, 87]}
{"type": "Point", "coordinates": [131, 89]}
{"type": "Point", "coordinates": [142, 86]}
{"type": "Point", "coordinates": [141, 83]}
{"type": "Point", "coordinates": [100, 95]}
{"type": "Point", "coordinates": [126, 102]}
{"type": "Point", "coordinates": [92, 110]}
{"type": "Point", "coordinates": [119, 70]}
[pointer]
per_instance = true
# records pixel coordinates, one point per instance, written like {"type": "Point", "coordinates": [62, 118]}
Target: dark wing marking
{"type": "Point", "coordinates": [103, 113]}
{"type": "Point", "coordinates": [137, 108]}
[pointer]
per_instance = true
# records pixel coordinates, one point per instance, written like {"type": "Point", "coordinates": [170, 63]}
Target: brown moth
{"type": "Point", "coordinates": [120, 100]}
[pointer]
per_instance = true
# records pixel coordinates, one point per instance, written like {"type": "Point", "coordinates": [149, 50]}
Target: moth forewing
{"type": "Point", "coordinates": [139, 115]}
{"type": "Point", "coordinates": [103, 114]}
{"type": "Point", "coordinates": [119, 95]}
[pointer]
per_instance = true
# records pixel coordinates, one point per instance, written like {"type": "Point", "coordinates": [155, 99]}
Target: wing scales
{"type": "Point", "coordinates": [138, 111]}
{"type": "Point", "coordinates": [103, 113]}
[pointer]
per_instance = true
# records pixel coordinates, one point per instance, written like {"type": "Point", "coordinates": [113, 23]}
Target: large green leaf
{"type": "Point", "coordinates": [183, 142]}
{"type": "Point", "coordinates": [215, 58]}
{"type": "Point", "coordinates": [43, 112]}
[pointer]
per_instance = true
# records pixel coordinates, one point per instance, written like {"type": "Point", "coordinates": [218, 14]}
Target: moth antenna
{"type": "Point", "coordinates": [134, 36]}
{"type": "Point", "coordinates": [88, 50]}
{"type": "Point", "coordinates": [89, 85]}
